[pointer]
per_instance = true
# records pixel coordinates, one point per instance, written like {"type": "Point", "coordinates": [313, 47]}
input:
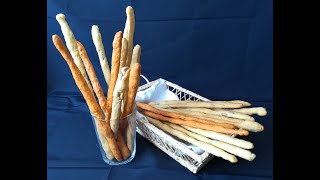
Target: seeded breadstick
{"type": "Point", "coordinates": [93, 77]}
{"type": "Point", "coordinates": [195, 124]}
{"type": "Point", "coordinates": [97, 41]}
{"type": "Point", "coordinates": [245, 154]}
{"type": "Point", "coordinates": [94, 108]}
{"type": "Point", "coordinates": [121, 86]}
{"type": "Point", "coordinates": [72, 45]}
{"type": "Point", "coordinates": [124, 53]}
{"type": "Point", "coordinates": [225, 113]}
{"type": "Point", "coordinates": [261, 111]}
{"type": "Point", "coordinates": [202, 145]}
{"type": "Point", "coordinates": [201, 104]}
{"type": "Point", "coordinates": [129, 32]}
{"type": "Point", "coordinates": [116, 53]}
{"type": "Point", "coordinates": [136, 55]}
{"type": "Point", "coordinates": [221, 137]}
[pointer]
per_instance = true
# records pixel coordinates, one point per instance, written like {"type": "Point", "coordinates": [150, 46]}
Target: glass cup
{"type": "Point", "coordinates": [129, 134]}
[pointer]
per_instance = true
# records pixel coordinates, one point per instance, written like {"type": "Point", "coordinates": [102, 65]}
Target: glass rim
{"type": "Point", "coordinates": [134, 110]}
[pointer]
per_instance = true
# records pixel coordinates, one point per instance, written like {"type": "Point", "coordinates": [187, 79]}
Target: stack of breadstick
{"type": "Point", "coordinates": [208, 125]}
{"type": "Point", "coordinates": [111, 112]}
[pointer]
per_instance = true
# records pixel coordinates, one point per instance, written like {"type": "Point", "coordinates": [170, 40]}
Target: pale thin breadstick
{"type": "Point", "coordinates": [104, 144]}
{"type": "Point", "coordinates": [248, 125]}
{"type": "Point", "coordinates": [226, 113]}
{"type": "Point", "coordinates": [72, 45]}
{"type": "Point", "coordinates": [136, 55]}
{"type": "Point", "coordinates": [245, 154]}
{"type": "Point", "coordinates": [202, 145]}
{"type": "Point", "coordinates": [221, 137]}
{"type": "Point", "coordinates": [200, 104]}
{"type": "Point", "coordinates": [94, 108]}
{"type": "Point", "coordinates": [196, 124]}
{"type": "Point", "coordinates": [97, 41]}
{"type": "Point", "coordinates": [116, 54]}
{"type": "Point", "coordinates": [93, 77]}
{"type": "Point", "coordinates": [124, 52]}
{"type": "Point", "coordinates": [261, 111]}
{"type": "Point", "coordinates": [174, 114]}
{"type": "Point", "coordinates": [129, 32]}
{"type": "Point", "coordinates": [121, 86]}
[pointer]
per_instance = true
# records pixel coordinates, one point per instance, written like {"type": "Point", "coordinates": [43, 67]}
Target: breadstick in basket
{"type": "Point", "coordinates": [93, 77]}
{"type": "Point", "coordinates": [195, 124]}
{"type": "Point", "coordinates": [116, 54]}
{"type": "Point", "coordinates": [261, 111]}
{"type": "Point", "coordinates": [201, 104]}
{"type": "Point", "coordinates": [129, 32]}
{"type": "Point", "coordinates": [72, 45]}
{"type": "Point", "coordinates": [221, 137]}
{"type": "Point", "coordinates": [136, 55]}
{"type": "Point", "coordinates": [94, 108]}
{"type": "Point", "coordinates": [245, 154]}
{"type": "Point", "coordinates": [202, 145]}
{"type": "Point", "coordinates": [97, 41]}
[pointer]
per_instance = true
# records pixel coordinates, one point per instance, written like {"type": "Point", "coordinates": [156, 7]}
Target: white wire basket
{"type": "Point", "coordinates": [175, 149]}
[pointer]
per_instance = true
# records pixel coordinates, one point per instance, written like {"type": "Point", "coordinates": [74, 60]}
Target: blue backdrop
{"type": "Point", "coordinates": [220, 49]}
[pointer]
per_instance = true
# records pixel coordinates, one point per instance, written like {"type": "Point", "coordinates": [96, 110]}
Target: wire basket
{"type": "Point", "coordinates": [175, 149]}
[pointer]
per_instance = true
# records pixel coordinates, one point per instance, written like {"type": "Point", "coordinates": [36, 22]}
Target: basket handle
{"type": "Point", "coordinates": [146, 79]}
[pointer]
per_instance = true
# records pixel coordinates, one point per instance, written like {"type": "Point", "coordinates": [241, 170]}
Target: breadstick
{"type": "Point", "coordinates": [202, 145]}
{"type": "Point", "coordinates": [248, 125]}
{"type": "Point", "coordinates": [129, 32]}
{"type": "Point", "coordinates": [124, 53]}
{"type": "Point", "coordinates": [105, 145]}
{"type": "Point", "coordinates": [72, 45]}
{"type": "Point", "coordinates": [136, 55]}
{"type": "Point", "coordinates": [195, 124]}
{"type": "Point", "coordinates": [89, 97]}
{"type": "Point", "coordinates": [261, 111]}
{"type": "Point", "coordinates": [221, 137]}
{"type": "Point", "coordinates": [116, 53]}
{"type": "Point", "coordinates": [93, 77]}
{"type": "Point", "coordinates": [121, 86]}
{"type": "Point", "coordinates": [225, 113]}
{"type": "Point", "coordinates": [172, 113]}
{"type": "Point", "coordinates": [245, 154]}
{"type": "Point", "coordinates": [97, 41]}
{"type": "Point", "coordinates": [201, 104]}
{"type": "Point", "coordinates": [125, 152]}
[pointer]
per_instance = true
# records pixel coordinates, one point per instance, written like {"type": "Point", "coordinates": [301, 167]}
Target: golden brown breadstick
{"type": "Point", "coordinates": [225, 113]}
{"type": "Point", "coordinates": [221, 137]}
{"type": "Point", "coordinates": [195, 124]}
{"type": "Point", "coordinates": [201, 104]}
{"type": "Point", "coordinates": [129, 32]}
{"type": "Point", "coordinates": [245, 154]}
{"type": "Point", "coordinates": [202, 145]}
{"type": "Point", "coordinates": [97, 41]}
{"type": "Point", "coordinates": [124, 53]}
{"type": "Point", "coordinates": [172, 113]}
{"type": "Point", "coordinates": [93, 77]}
{"type": "Point", "coordinates": [89, 97]}
{"type": "Point", "coordinates": [125, 152]}
{"type": "Point", "coordinates": [72, 45]}
{"type": "Point", "coordinates": [121, 86]}
{"type": "Point", "coordinates": [248, 125]}
{"type": "Point", "coordinates": [116, 54]}
{"type": "Point", "coordinates": [136, 55]}
{"type": "Point", "coordinates": [261, 111]}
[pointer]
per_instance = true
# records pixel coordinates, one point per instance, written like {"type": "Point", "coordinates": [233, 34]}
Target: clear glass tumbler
{"type": "Point", "coordinates": [129, 134]}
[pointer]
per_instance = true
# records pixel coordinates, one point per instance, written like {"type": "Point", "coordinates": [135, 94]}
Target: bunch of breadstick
{"type": "Point", "coordinates": [208, 125]}
{"type": "Point", "coordinates": [111, 112]}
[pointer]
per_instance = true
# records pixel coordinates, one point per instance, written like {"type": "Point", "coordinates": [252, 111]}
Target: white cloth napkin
{"type": "Point", "coordinates": [159, 92]}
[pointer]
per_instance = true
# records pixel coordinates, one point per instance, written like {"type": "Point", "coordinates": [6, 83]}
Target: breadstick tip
{"type": "Point", "coordinates": [54, 37]}
{"type": "Point", "coordinates": [252, 157]}
{"type": "Point", "coordinates": [94, 28]}
{"type": "Point", "coordinates": [60, 16]}
{"type": "Point", "coordinates": [129, 9]}
{"type": "Point", "coordinates": [117, 38]}
{"type": "Point", "coordinates": [262, 111]}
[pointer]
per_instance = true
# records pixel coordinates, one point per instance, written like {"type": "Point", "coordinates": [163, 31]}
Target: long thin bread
{"type": "Point", "coordinates": [88, 96]}
{"type": "Point", "coordinates": [261, 111]}
{"type": "Point", "coordinates": [245, 154]}
{"type": "Point", "coordinates": [202, 104]}
{"type": "Point", "coordinates": [136, 54]}
{"type": "Point", "coordinates": [202, 145]}
{"type": "Point", "coordinates": [72, 45]}
{"type": "Point", "coordinates": [129, 33]}
{"type": "Point", "coordinates": [93, 77]}
{"type": "Point", "coordinates": [97, 41]}
{"type": "Point", "coordinates": [124, 52]}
